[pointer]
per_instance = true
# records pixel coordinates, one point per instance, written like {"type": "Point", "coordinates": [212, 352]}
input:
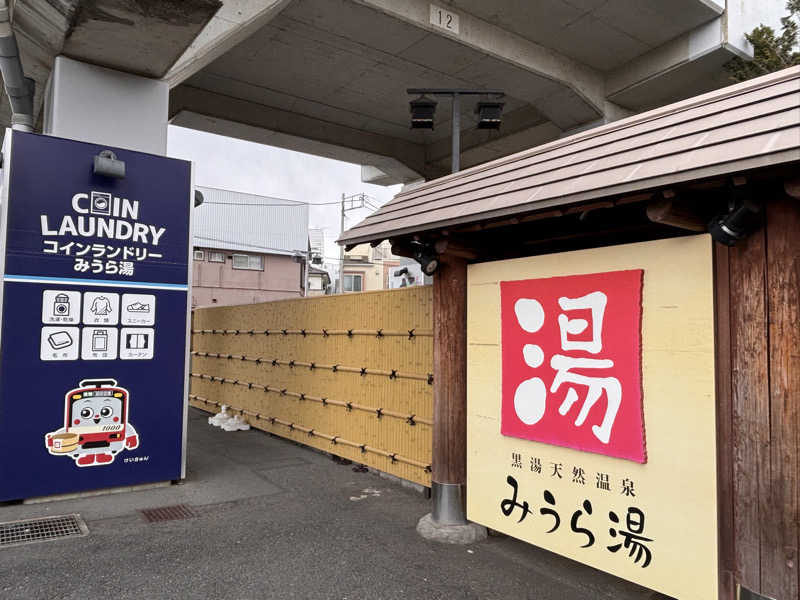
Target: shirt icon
{"type": "Point", "coordinates": [101, 306]}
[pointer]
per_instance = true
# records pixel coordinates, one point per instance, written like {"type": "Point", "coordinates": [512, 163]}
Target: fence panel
{"type": "Point", "coordinates": [349, 374]}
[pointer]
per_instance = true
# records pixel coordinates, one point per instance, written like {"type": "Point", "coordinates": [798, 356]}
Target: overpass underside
{"type": "Point", "coordinates": [329, 77]}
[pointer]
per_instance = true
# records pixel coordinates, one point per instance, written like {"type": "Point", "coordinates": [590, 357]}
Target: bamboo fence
{"type": "Point", "coordinates": [348, 374]}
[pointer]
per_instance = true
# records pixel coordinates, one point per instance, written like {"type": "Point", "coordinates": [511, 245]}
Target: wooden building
{"type": "Point", "coordinates": [728, 163]}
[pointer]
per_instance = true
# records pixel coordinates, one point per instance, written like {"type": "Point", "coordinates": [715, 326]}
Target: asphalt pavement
{"type": "Point", "coordinates": [278, 520]}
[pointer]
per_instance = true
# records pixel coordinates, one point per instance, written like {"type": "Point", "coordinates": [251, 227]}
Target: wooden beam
{"type": "Point", "coordinates": [633, 198]}
{"type": "Point", "coordinates": [676, 214]}
{"type": "Point", "coordinates": [548, 214]}
{"type": "Point", "coordinates": [792, 187]}
{"type": "Point", "coordinates": [706, 184]}
{"type": "Point", "coordinates": [581, 208]}
{"type": "Point", "coordinates": [402, 248]}
{"type": "Point", "coordinates": [451, 247]}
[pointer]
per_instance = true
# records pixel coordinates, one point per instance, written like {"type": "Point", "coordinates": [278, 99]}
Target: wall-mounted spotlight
{"type": "Point", "coordinates": [489, 113]}
{"type": "Point", "coordinates": [422, 111]}
{"type": "Point", "coordinates": [427, 259]}
{"type": "Point", "coordinates": [742, 217]}
{"type": "Point", "coordinates": [107, 164]}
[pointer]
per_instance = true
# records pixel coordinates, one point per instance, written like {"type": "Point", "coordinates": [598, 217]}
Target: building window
{"type": "Point", "coordinates": [352, 283]}
{"type": "Point", "coordinates": [199, 255]}
{"type": "Point", "coordinates": [250, 262]}
{"type": "Point", "coordinates": [216, 257]}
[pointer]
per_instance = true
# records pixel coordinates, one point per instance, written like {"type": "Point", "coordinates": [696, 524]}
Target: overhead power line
{"type": "Point", "coordinates": [264, 249]}
{"type": "Point", "coordinates": [292, 205]}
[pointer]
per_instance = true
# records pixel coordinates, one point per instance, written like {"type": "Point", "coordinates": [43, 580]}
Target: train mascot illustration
{"type": "Point", "coordinates": [96, 426]}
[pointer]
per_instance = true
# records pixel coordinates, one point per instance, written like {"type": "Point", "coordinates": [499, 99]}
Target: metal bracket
{"type": "Point", "coordinates": [742, 593]}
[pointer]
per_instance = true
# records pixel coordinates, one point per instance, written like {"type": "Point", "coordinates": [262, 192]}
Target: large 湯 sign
{"type": "Point", "coordinates": [591, 409]}
{"type": "Point", "coordinates": [580, 332]}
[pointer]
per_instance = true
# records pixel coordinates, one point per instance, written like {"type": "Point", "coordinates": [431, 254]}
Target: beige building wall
{"type": "Point", "coordinates": [373, 264]}
{"type": "Point", "coordinates": [216, 283]}
{"type": "Point", "coordinates": [316, 284]}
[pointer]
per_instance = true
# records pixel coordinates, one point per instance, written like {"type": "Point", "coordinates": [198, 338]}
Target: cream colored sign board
{"type": "Point", "coordinates": [675, 489]}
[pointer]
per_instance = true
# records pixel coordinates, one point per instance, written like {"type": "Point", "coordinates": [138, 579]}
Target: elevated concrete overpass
{"type": "Point", "coordinates": [328, 77]}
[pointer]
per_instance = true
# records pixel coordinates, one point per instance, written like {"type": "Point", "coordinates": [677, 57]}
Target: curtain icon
{"type": "Point", "coordinates": [136, 341]}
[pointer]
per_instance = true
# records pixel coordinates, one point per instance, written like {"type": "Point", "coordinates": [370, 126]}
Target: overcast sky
{"type": "Point", "coordinates": [233, 164]}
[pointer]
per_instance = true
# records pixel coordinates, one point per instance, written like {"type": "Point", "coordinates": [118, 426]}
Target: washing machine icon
{"type": "Point", "coordinates": [61, 306]}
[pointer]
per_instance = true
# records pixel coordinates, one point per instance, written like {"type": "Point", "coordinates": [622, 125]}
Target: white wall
{"type": "Point", "coordinates": [745, 15]}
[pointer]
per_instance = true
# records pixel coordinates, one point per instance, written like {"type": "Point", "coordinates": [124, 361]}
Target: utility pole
{"type": "Point", "coordinates": [305, 277]}
{"type": "Point", "coordinates": [340, 282]}
{"type": "Point", "coordinates": [348, 203]}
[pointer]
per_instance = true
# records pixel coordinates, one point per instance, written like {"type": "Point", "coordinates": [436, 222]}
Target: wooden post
{"type": "Point", "coordinates": [449, 466]}
{"type": "Point", "coordinates": [758, 300]}
{"type": "Point", "coordinates": [780, 487]}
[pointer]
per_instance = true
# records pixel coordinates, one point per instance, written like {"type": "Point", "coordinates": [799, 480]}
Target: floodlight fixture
{"type": "Point", "coordinates": [489, 114]}
{"type": "Point", "coordinates": [422, 111]}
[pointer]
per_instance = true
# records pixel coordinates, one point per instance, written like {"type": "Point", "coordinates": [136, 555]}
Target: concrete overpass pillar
{"type": "Point", "coordinates": [102, 106]}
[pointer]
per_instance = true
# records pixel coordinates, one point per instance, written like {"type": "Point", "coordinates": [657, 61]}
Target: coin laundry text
{"type": "Point", "coordinates": [86, 225]}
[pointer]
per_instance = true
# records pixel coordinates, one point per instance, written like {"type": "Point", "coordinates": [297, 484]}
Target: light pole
{"type": "Point", "coordinates": [448, 476]}
{"type": "Point", "coordinates": [489, 113]}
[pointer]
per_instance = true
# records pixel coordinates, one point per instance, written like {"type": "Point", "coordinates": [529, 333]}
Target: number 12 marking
{"type": "Point", "coordinates": [444, 19]}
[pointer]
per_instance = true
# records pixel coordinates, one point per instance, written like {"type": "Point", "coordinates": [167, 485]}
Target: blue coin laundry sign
{"type": "Point", "coordinates": [93, 344]}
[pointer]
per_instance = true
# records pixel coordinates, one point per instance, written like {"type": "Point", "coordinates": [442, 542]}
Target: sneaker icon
{"type": "Point", "coordinates": [138, 307]}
